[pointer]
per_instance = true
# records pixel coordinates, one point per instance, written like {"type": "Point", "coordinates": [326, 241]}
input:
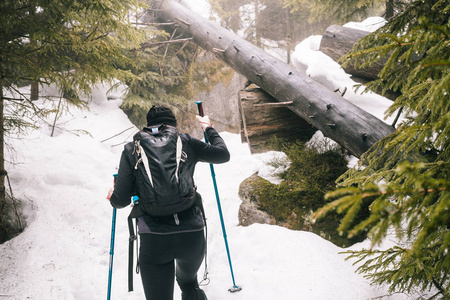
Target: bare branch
{"type": "Point", "coordinates": [150, 45]}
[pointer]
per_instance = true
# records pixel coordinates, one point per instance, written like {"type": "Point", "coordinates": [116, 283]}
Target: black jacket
{"type": "Point", "coordinates": [215, 152]}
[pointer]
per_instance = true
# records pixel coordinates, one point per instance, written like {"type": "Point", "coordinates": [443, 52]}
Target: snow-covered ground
{"type": "Point", "coordinates": [64, 251]}
{"type": "Point", "coordinates": [63, 180]}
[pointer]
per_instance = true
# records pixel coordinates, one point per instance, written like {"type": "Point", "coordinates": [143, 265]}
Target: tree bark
{"type": "Point", "coordinates": [289, 39]}
{"type": "Point", "coordinates": [257, 31]}
{"type": "Point", "coordinates": [265, 120]}
{"type": "Point", "coordinates": [2, 167]}
{"type": "Point", "coordinates": [338, 41]}
{"type": "Point", "coordinates": [34, 91]}
{"type": "Point", "coordinates": [353, 128]}
{"type": "Point", "coordinates": [389, 9]}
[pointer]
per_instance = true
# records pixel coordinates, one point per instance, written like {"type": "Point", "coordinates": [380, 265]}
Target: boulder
{"type": "Point", "coordinates": [248, 211]}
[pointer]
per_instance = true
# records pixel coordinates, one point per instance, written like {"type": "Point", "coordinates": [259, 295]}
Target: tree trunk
{"type": "Point", "coordinates": [348, 125]}
{"type": "Point", "coordinates": [257, 31]}
{"type": "Point", "coordinates": [2, 168]}
{"type": "Point", "coordinates": [389, 9]}
{"type": "Point", "coordinates": [289, 39]}
{"type": "Point", "coordinates": [338, 41]}
{"type": "Point", "coordinates": [34, 91]}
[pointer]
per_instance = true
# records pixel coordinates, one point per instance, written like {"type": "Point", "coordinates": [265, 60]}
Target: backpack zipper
{"type": "Point", "coordinates": [177, 221]}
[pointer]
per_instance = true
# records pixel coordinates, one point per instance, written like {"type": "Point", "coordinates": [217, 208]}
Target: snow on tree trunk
{"type": "Point", "coordinates": [348, 125]}
{"type": "Point", "coordinates": [338, 41]}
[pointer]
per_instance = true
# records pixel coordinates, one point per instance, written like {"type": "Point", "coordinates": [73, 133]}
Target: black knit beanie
{"type": "Point", "coordinates": [161, 115]}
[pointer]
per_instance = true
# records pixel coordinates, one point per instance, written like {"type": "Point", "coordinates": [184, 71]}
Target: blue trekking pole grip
{"type": "Point", "coordinates": [235, 288]}
{"type": "Point", "coordinates": [111, 248]}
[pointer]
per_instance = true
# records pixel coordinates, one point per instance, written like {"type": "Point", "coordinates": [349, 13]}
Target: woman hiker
{"type": "Point", "coordinates": [172, 246]}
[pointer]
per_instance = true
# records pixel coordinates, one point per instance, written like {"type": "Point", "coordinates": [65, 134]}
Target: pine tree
{"type": "Point", "coordinates": [268, 24]}
{"type": "Point", "coordinates": [167, 70]}
{"type": "Point", "coordinates": [71, 44]}
{"type": "Point", "coordinates": [343, 11]}
{"type": "Point", "coordinates": [155, 83]}
{"type": "Point", "coordinates": [404, 179]}
{"type": "Point", "coordinates": [228, 11]}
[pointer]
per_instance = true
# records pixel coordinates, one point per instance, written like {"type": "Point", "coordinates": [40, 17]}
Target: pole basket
{"type": "Point", "coordinates": [235, 289]}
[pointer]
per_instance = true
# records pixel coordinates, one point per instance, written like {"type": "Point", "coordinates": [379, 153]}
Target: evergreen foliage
{"type": "Point", "coordinates": [343, 11]}
{"type": "Point", "coordinates": [70, 44]}
{"type": "Point", "coordinates": [171, 75]}
{"type": "Point", "coordinates": [150, 83]}
{"type": "Point", "coordinates": [168, 68]}
{"type": "Point", "coordinates": [405, 178]}
{"type": "Point", "coordinates": [228, 11]}
{"type": "Point", "coordinates": [268, 24]}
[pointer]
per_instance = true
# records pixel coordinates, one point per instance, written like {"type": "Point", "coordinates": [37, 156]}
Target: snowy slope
{"type": "Point", "coordinates": [64, 252]}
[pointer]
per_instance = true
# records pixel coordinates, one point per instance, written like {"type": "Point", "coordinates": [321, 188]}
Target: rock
{"type": "Point", "coordinates": [248, 211]}
{"type": "Point", "coordinates": [296, 219]}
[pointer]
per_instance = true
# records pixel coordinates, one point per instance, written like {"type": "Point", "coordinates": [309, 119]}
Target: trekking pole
{"type": "Point", "coordinates": [111, 248]}
{"type": "Point", "coordinates": [235, 288]}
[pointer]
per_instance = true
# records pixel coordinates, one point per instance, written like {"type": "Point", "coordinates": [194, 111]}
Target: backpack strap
{"type": "Point", "coordinates": [143, 158]}
{"type": "Point", "coordinates": [179, 155]}
{"type": "Point", "coordinates": [133, 237]}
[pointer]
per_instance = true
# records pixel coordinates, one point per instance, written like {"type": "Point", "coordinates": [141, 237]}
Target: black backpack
{"type": "Point", "coordinates": [163, 182]}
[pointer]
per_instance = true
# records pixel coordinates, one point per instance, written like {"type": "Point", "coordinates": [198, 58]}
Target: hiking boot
{"type": "Point", "coordinates": [194, 294]}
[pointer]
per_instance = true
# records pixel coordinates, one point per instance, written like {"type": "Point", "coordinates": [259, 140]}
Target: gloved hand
{"type": "Point", "coordinates": [204, 122]}
{"type": "Point", "coordinates": [110, 192]}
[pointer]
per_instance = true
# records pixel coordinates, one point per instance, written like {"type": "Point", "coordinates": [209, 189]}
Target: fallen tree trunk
{"type": "Point", "coordinates": [338, 41]}
{"type": "Point", "coordinates": [353, 128]}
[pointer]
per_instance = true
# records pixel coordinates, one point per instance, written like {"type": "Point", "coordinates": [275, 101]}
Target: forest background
{"type": "Point", "coordinates": [403, 181]}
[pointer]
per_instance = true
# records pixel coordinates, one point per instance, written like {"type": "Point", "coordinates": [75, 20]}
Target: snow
{"type": "Point", "coordinates": [64, 251]}
{"type": "Point", "coordinates": [370, 24]}
{"type": "Point", "coordinates": [326, 71]}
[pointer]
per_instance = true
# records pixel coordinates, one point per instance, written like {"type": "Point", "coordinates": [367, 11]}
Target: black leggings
{"type": "Point", "coordinates": [158, 254]}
